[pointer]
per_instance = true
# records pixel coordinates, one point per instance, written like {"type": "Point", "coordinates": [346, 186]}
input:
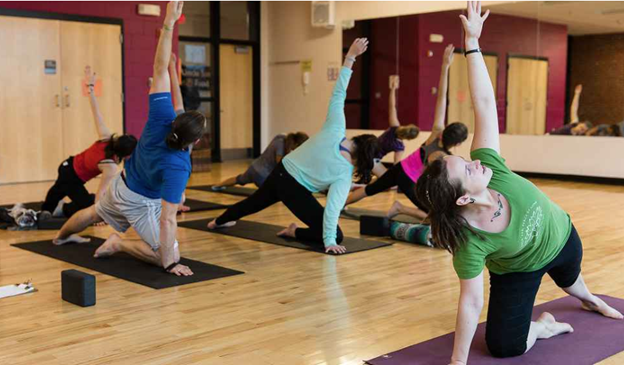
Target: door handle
{"type": "Point", "coordinates": [67, 104]}
{"type": "Point", "coordinates": [58, 100]}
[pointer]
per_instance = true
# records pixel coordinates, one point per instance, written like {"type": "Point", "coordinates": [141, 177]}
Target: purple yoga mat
{"type": "Point", "coordinates": [595, 338]}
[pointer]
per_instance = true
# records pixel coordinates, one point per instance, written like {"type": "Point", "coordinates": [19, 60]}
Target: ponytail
{"type": "Point", "coordinates": [186, 128]}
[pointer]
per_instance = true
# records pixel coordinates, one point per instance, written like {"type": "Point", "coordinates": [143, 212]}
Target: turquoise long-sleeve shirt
{"type": "Point", "coordinates": [318, 165]}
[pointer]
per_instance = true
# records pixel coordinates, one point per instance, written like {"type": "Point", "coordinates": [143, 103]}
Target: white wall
{"type": "Point", "coordinates": [288, 36]}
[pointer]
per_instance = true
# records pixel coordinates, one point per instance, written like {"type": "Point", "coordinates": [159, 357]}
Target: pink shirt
{"type": "Point", "coordinates": [413, 165]}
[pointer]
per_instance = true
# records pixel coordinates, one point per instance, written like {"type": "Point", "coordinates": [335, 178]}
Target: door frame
{"type": "Point", "coordinates": [526, 57]}
{"type": "Point", "coordinates": [215, 41]}
{"type": "Point", "coordinates": [83, 19]}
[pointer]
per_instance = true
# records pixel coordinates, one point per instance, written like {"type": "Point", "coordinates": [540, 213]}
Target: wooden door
{"type": "Point", "coordinates": [97, 45]}
{"type": "Point", "coordinates": [460, 103]}
{"type": "Point", "coordinates": [236, 97]}
{"type": "Point", "coordinates": [30, 109]}
{"type": "Point", "coordinates": [527, 83]}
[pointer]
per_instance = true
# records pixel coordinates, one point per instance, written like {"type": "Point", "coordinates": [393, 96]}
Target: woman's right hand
{"type": "Point", "coordinates": [181, 270]}
{"type": "Point", "coordinates": [473, 24]}
{"type": "Point", "coordinates": [358, 47]}
{"type": "Point", "coordinates": [337, 249]}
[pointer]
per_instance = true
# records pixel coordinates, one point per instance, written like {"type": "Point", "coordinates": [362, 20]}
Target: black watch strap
{"type": "Point", "coordinates": [168, 268]}
{"type": "Point", "coordinates": [476, 50]}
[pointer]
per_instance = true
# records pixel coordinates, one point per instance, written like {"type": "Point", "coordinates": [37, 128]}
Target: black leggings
{"type": "Point", "coordinates": [68, 184]}
{"type": "Point", "coordinates": [281, 186]}
{"type": "Point", "coordinates": [512, 297]}
{"type": "Point", "coordinates": [393, 177]}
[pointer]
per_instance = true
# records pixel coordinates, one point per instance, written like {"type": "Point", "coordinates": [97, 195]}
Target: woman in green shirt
{"type": "Point", "coordinates": [486, 215]}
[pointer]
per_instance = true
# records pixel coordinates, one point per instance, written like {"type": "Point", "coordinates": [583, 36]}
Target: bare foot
{"type": "Point", "coordinates": [288, 231]}
{"type": "Point", "coordinates": [99, 224]}
{"type": "Point", "coordinates": [601, 307]}
{"type": "Point", "coordinates": [109, 247]}
{"type": "Point", "coordinates": [74, 238]}
{"type": "Point", "coordinates": [183, 208]}
{"type": "Point", "coordinates": [395, 209]}
{"type": "Point", "coordinates": [552, 327]}
{"type": "Point", "coordinates": [213, 225]}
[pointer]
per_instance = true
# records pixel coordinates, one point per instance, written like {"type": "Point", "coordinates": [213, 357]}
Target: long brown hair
{"type": "Point", "coordinates": [294, 140]}
{"type": "Point", "coordinates": [439, 194]}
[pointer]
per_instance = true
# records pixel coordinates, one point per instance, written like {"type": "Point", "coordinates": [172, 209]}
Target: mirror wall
{"type": "Point", "coordinates": [536, 52]}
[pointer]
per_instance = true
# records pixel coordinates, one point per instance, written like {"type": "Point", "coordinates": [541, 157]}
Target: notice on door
{"type": "Point", "coordinates": [49, 67]}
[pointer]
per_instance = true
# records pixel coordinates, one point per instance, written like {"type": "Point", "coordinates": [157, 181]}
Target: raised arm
{"type": "Point", "coordinates": [102, 129]}
{"type": "Point", "coordinates": [178, 103]}
{"type": "Point", "coordinates": [393, 119]}
{"type": "Point", "coordinates": [335, 114]}
{"type": "Point", "coordinates": [481, 91]}
{"type": "Point", "coordinates": [574, 118]}
{"type": "Point", "coordinates": [440, 108]}
{"type": "Point", "coordinates": [161, 83]}
{"type": "Point", "coordinates": [468, 312]}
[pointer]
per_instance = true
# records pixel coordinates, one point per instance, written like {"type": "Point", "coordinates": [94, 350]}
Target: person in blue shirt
{"type": "Point", "coordinates": [146, 195]}
{"type": "Point", "coordinates": [326, 161]}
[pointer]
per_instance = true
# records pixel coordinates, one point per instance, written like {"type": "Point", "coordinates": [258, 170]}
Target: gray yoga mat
{"type": "Point", "coordinates": [356, 213]}
{"type": "Point", "coordinates": [263, 232]}
{"type": "Point", "coordinates": [594, 339]}
{"type": "Point", "coordinates": [124, 266]}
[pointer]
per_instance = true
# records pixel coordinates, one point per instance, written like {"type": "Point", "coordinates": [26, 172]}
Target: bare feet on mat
{"type": "Point", "coordinates": [598, 305]}
{"type": "Point", "coordinates": [213, 225]}
{"type": "Point", "coordinates": [183, 208]}
{"type": "Point", "coordinates": [74, 238]}
{"type": "Point", "coordinates": [109, 247]}
{"type": "Point", "coordinates": [288, 231]}
{"type": "Point", "coordinates": [395, 209]}
{"type": "Point", "coordinates": [552, 327]}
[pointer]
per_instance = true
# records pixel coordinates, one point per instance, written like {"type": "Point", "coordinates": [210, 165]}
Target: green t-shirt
{"type": "Point", "coordinates": [537, 231]}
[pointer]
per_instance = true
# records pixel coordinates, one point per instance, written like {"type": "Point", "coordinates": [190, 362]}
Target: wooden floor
{"type": "Point", "coordinates": [291, 307]}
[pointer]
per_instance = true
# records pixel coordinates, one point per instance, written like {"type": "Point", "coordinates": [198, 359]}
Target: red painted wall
{"type": "Point", "coordinates": [140, 40]}
{"type": "Point", "coordinates": [419, 73]}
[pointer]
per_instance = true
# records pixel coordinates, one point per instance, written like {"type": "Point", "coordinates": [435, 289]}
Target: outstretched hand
{"type": "Point", "coordinates": [473, 23]}
{"type": "Point", "coordinates": [337, 249]}
{"type": "Point", "coordinates": [449, 52]}
{"type": "Point", "coordinates": [174, 11]}
{"type": "Point", "coordinates": [578, 89]}
{"type": "Point", "coordinates": [90, 75]}
{"type": "Point", "coordinates": [358, 47]}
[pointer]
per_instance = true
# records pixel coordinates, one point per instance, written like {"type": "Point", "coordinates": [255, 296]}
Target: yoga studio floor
{"type": "Point", "coordinates": [290, 307]}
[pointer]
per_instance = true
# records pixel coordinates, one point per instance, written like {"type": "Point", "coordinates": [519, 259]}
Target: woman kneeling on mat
{"type": "Point", "coordinates": [146, 195]}
{"type": "Point", "coordinates": [261, 167]}
{"type": "Point", "coordinates": [101, 157]}
{"type": "Point", "coordinates": [486, 215]}
{"type": "Point", "coordinates": [439, 143]}
{"type": "Point", "coordinates": [325, 161]}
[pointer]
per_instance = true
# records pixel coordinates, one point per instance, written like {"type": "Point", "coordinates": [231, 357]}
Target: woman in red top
{"type": "Point", "coordinates": [101, 157]}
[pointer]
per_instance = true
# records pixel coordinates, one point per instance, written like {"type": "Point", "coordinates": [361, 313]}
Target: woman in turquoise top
{"type": "Point", "coordinates": [486, 215]}
{"type": "Point", "coordinates": [326, 161]}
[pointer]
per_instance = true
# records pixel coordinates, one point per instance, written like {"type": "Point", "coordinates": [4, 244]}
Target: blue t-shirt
{"type": "Point", "coordinates": [155, 170]}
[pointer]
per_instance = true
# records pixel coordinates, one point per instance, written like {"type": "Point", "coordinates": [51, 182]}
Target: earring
{"type": "Point", "coordinates": [472, 200]}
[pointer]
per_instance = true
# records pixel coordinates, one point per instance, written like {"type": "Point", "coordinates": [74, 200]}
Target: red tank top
{"type": "Point", "coordinates": [86, 163]}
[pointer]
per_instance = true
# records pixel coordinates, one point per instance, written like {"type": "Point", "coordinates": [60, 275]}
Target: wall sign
{"type": "Point", "coordinates": [49, 67]}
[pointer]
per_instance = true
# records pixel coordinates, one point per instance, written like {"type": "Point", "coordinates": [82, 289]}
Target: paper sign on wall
{"type": "Point", "coordinates": [49, 67]}
{"type": "Point", "coordinates": [195, 54]}
{"type": "Point", "coordinates": [306, 66]}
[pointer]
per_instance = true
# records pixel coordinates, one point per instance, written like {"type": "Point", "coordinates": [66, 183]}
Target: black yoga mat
{"type": "Point", "coordinates": [124, 266]}
{"type": "Point", "coordinates": [231, 190]}
{"type": "Point", "coordinates": [199, 205]}
{"type": "Point", "coordinates": [595, 338]}
{"type": "Point", "coordinates": [36, 206]}
{"type": "Point", "coordinates": [356, 213]}
{"type": "Point", "coordinates": [263, 232]}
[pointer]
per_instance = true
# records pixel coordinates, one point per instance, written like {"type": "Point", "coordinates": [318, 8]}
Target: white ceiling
{"type": "Point", "coordinates": [581, 17]}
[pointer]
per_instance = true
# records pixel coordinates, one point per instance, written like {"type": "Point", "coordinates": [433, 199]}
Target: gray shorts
{"type": "Point", "coordinates": [122, 208]}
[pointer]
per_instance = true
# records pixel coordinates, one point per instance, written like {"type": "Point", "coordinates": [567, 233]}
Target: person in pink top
{"type": "Point", "coordinates": [406, 173]}
{"type": "Point", "coordinates": [101, 157]}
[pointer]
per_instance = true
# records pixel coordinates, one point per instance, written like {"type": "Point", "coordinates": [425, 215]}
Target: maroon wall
{"type": "Point", "coordinates": [420, 73]}
{"type": "Point", "coordinates": [140, 39]}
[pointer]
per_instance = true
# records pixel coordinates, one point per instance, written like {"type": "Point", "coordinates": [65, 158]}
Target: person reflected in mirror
{"type": "Point", "coordinates": [574, 128]}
